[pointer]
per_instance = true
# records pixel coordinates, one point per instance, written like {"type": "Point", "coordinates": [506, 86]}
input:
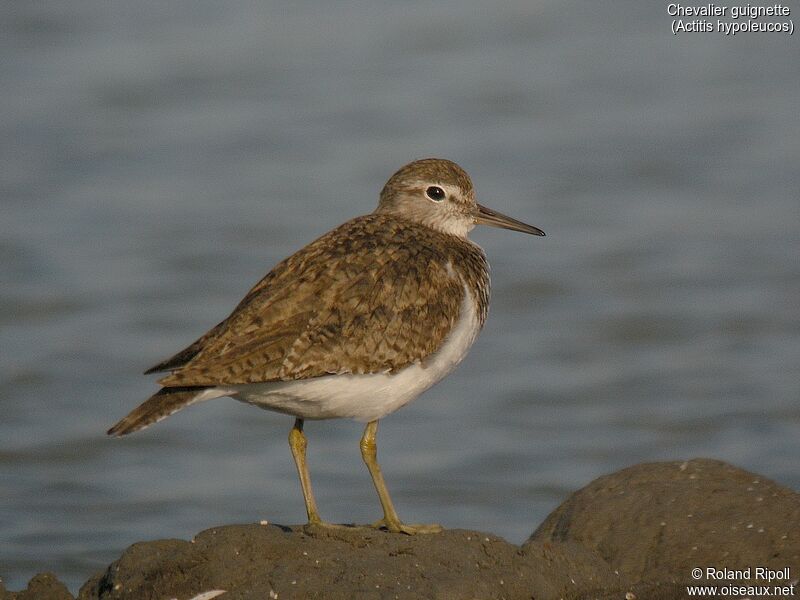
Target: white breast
{"type": "Point", "coordinates": [365, 397]}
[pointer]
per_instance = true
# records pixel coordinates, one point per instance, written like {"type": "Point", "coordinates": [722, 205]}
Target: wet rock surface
{"type": "Point", "coordinates": [636, 533]}
{"type": "Point", "coordinates": [257, 561]}
{"type": "Point", "coordinates": [657, 522]}
{"type": "Point", "coordinates": [44, 586]}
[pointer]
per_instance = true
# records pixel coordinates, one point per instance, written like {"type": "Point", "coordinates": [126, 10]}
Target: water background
{"type": "Point", "coordinates": [156, 159]}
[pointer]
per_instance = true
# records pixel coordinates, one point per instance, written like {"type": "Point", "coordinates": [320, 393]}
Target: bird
{"type": "Point", "coordinates": [354, 325]}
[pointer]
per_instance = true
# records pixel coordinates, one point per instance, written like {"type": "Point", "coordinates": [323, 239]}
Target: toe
{"type": "Point", "coordinates": [311, 525]}
{"type": "Point", "coordinates": [408, 529]}
{"type": "Point", "coordinates": [421, 528]}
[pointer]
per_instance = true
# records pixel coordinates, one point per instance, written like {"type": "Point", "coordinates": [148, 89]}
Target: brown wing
{"type": "Point", "coordinates": [184, 356]}
{"type": "Point", "coordinates": [370, 296]}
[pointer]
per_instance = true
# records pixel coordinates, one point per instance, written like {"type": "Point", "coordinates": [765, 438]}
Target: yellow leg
{"type": "Point", "coordinates": [298, 444]}
{"type": "Point", "coordinates": [369, 452]}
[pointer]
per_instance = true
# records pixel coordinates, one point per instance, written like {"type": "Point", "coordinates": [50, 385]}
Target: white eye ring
{"type": "Point", "coordinates": [435, 193]}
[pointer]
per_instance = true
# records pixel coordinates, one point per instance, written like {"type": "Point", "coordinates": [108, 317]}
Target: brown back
{"type": "Point", "coordinates": [374, 295]}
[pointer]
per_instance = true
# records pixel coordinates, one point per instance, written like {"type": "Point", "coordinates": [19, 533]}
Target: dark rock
{"type": "Point", "coordinates": [656, 522]}
{"type": "Point", "coordinates": [258, 561]}
{"type": "Point", "coordinates": [637, 533]}
{"type": "Point", "coordinates": [44, 586]}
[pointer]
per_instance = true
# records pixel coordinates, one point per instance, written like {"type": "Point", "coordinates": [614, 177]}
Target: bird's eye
{"type": "Point", "coordinates": [435, 193]}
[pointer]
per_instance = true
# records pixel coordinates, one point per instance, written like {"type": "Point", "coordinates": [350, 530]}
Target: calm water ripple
{"type": "Point", "coordinates": [156, 161]}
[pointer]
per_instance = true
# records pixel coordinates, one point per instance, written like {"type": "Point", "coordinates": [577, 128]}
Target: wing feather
{"type": "Point", "coordinates": [368, 297]}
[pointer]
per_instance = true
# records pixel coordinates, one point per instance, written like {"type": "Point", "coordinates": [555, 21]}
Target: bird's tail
{"type": "Point", "coordinates": [159, 406]}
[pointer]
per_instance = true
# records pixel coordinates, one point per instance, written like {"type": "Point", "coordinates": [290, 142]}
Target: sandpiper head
{"type": "Point", "coordinates": [439, 194]}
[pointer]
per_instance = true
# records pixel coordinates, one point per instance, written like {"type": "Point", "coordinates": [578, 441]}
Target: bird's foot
{"type": "Point", "coordinates": [320, 524]}
{"type": "Point", "coordinates": [408, 529]}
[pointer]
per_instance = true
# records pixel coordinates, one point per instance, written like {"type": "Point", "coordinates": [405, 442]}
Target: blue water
{"type": "Point", "coordinates": [156, 159]}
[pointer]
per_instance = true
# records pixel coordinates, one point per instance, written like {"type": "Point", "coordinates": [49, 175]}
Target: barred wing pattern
{"type": "Point", "coordinates": [374, 295]}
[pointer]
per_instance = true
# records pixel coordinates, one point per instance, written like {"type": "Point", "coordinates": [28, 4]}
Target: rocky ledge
{"type": "Point", "coordinates": [637, 533]}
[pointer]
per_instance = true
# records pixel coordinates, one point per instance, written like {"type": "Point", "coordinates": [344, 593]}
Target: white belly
{"type": "Point", "coordinates": [364, 397]}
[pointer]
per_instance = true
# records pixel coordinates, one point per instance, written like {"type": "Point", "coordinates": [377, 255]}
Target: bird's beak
{"type": "Point", "coordinates": [487, 216]}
